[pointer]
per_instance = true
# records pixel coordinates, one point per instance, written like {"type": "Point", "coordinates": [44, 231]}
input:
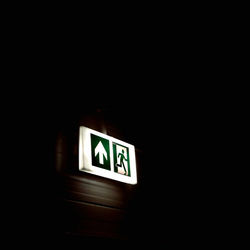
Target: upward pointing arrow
{"type": "Point", "coordinates": [101, 151]}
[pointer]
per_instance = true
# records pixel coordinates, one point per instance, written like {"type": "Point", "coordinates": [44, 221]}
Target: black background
{"type": "Point", "coordinates": [172, 118]}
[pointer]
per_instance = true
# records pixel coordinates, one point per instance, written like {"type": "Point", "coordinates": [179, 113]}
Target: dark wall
{"type": "Point", "coordinates": [169, 205]}
{"type": "Point", "coordinates": [88, 207]}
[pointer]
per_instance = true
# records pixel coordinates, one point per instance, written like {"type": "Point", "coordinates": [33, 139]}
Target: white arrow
{"type": "Point", "coordinates": [102, 152]}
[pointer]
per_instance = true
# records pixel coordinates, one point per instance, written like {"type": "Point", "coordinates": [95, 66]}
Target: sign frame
{"type": "Point", "coordinates": [86, 154]}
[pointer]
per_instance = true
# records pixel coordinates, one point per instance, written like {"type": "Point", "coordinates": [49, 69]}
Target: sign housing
{"type": "Point", "coordinates": [106, 156]}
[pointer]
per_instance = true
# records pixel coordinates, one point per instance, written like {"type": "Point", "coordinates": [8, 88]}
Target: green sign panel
{"type": "Point", "coordinates": [121, 159]}
{"type": "Point", "coordinates": [100, 152]}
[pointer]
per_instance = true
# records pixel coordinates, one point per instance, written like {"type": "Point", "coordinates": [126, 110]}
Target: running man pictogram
{"type": "Point", "coordinates": [122, 158]}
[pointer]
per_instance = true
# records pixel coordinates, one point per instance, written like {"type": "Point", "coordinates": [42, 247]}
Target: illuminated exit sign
{"type": "Point", "coordinates": [106, 156]}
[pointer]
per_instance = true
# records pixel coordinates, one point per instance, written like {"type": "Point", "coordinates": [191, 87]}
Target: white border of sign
{"type": "Point", "coordinates": [85, 159]}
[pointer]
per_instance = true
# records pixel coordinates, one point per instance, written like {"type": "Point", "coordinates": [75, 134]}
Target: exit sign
{"type": "Point", "coordinates": [106, 156]}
